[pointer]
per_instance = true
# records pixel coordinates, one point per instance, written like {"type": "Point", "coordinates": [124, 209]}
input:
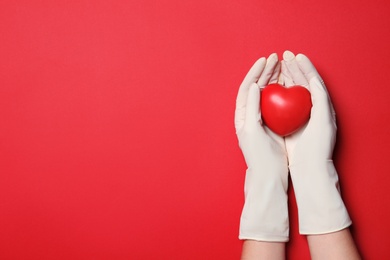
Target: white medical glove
{"type": "Point", "coordinates": [265, 213]}
{"type": "Point", "coordinates": [310, 150]}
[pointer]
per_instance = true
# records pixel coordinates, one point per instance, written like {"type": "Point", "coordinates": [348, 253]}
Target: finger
{"type": "Point", "coordinates": [252, 113]}
{"type": "Point", "coordinates": [268, 71]}
{"type": "Point", "coordinates": [320, 99]}
{"type": "Point", "coordinates": [286, 75]}
{"type": "Point", "coordinates": [317, 86]}
{"type": "Point", "coordinates": [252, 76]}
{"type": "Point", "coordinates": [281, 78]}
{"type": "Point", "coordinates": [295, 71]}
{"type": "Point", "coordinates": [307, 67]}
{"type": "Point", "coordinates": [275, 75]}
{"type": "Point", "coordinates": [318, 92]}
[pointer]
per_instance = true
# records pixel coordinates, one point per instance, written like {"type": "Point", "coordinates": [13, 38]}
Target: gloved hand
{"type": "Point", "coordinates": [265, 213]}
{"type": "Point", "coordinates": [310, 150]}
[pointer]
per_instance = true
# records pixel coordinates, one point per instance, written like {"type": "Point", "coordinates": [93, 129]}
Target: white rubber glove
{"type": "Point", "coordinates": [310, 150]}
{"type": "Point", "coordinates": [265, 213]}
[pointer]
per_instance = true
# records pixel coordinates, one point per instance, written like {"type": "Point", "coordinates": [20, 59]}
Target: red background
{"type": "Point", "coordinates": [116, 122]}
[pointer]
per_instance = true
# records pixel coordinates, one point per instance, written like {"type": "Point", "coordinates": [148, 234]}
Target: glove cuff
{"type": "Point", "coordinates": [265, 213]}
{"type": "Point", "coordinates": [320, 206]}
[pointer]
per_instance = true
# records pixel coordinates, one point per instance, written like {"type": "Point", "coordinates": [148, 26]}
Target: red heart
{"type": "Point", "coordinates": [285, 110]}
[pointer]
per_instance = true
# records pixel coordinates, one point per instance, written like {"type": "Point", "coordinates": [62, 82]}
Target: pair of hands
{"type": "Point", "coordinates": [306, 155]}
{"type": "Point", "coordinates": [320, 130]}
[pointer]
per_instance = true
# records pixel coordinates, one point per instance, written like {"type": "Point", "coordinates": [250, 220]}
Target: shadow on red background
{"type": "Point", "coordinates": [116, 122]}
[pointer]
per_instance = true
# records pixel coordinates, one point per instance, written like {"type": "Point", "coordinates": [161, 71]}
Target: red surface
{"type": "Point", "coordinates": [285, 110]}
{"type": "Point", "coordinates": [116, 122]}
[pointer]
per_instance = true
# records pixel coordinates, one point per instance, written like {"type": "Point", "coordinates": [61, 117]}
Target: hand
{"type": "Point", "coordinates": [265, 214]}
{"type": "Point", "coordinates": [310, 150]}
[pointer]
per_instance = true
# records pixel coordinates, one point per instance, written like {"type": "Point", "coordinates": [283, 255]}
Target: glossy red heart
{"type": "Point", "coordinates": [285, 110]}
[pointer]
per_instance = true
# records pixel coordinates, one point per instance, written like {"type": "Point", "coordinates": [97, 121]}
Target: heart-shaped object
{"type": "Point", "coordinates": [285, 110]}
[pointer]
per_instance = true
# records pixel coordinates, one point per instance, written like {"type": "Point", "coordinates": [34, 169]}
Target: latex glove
{"type": "Point", "coordinates": [310, 150]}
{"type": "Point", "coordinates": [265, 214]}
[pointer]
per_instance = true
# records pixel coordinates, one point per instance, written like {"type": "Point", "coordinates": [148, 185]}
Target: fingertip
{"type": "Point", "coordinates": [259, 65]}
{"type": "Point", "coordinates": [262, 60]}
{"type": "Point", "coordinates": [269, 69]}
{"type": "Point", "coordinates": [302, 58]}
{"type": "Point", "coordinates": [273, 56]}
{"type": "Point", "coordinates": [288, 55]}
